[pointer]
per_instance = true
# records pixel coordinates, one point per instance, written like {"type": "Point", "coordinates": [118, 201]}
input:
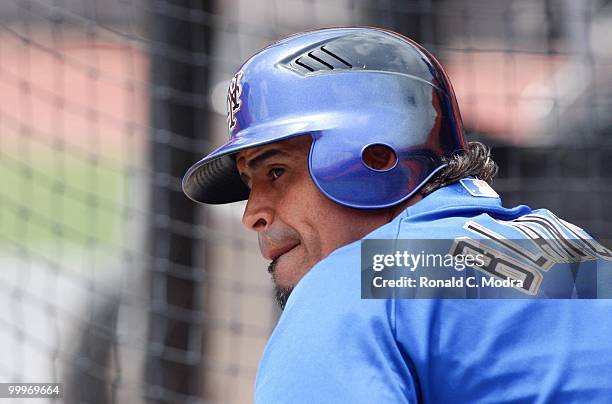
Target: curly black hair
{"type": "Point", "coordinates": [476, 161]}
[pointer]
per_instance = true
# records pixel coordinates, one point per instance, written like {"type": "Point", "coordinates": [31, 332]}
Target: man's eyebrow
{"type": "Point", "coordinates": [257, 161]}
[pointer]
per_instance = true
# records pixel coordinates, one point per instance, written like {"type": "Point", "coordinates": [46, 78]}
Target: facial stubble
{"type": "Point", "coordinates": [281, 294]}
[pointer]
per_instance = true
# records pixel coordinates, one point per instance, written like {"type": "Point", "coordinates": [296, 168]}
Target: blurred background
{"type": "Point", "coordinates": [115, 284]}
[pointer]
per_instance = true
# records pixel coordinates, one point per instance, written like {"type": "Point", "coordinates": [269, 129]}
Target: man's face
{"type": "Point", "coordinates": [296, 224]}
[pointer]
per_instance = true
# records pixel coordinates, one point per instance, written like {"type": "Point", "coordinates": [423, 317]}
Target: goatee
{"type": "Point", "coordinates": [281, 294]}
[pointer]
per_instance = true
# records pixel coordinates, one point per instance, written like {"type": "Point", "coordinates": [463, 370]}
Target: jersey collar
{"type": "Point", "coordinates": [454, 199]}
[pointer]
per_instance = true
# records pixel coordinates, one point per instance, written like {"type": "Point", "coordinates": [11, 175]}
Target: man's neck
{"type": "Point", "coordinates": [395, 211]}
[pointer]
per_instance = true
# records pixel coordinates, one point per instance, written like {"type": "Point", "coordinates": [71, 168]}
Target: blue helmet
{"type": "Point", "coordinates": [348, 88]}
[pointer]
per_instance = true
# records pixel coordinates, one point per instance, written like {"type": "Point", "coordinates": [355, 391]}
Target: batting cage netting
{"type": "Point", "coordinates": [115, 284]}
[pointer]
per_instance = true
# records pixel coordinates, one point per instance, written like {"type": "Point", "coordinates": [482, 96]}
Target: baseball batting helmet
{"type": "Point", "coordinates": [349, 88]}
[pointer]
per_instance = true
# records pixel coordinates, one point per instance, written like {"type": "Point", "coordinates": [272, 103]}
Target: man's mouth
{"type": "Point", "coordinates": [275, 253]}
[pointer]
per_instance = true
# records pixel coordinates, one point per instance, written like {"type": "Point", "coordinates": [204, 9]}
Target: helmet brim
{"type": "Point", "coordinates": [215, 179]}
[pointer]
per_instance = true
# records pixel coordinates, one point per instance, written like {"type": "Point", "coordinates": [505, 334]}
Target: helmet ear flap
{"type": "Point", "coordinates": [354, 175]}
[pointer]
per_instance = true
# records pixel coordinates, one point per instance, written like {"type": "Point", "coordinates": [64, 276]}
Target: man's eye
{"type": "Point", "coordinates": [276, 172]}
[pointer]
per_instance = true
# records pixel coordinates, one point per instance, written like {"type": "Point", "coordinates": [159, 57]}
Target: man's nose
{"type": "Point", "coordinates": [258, 214]}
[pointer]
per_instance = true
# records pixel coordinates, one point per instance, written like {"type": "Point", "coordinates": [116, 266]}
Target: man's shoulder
{"type": "Point", "coordinates": [445, 215]}
{"type": "Point", "coordinates": [335, 278]}
{"type": "Point", "coordinates": [333, 287]}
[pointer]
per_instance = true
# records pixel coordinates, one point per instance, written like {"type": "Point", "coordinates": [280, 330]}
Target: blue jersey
{"type": "Point", "coordinates": [331, 346]}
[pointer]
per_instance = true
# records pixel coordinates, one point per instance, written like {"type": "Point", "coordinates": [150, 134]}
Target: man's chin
{"type": "Point", "coordinates": [281, 293]}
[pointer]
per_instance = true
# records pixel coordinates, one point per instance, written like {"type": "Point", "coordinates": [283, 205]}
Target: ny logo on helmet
{"type": "Point", "coordinates": [233, 100]}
